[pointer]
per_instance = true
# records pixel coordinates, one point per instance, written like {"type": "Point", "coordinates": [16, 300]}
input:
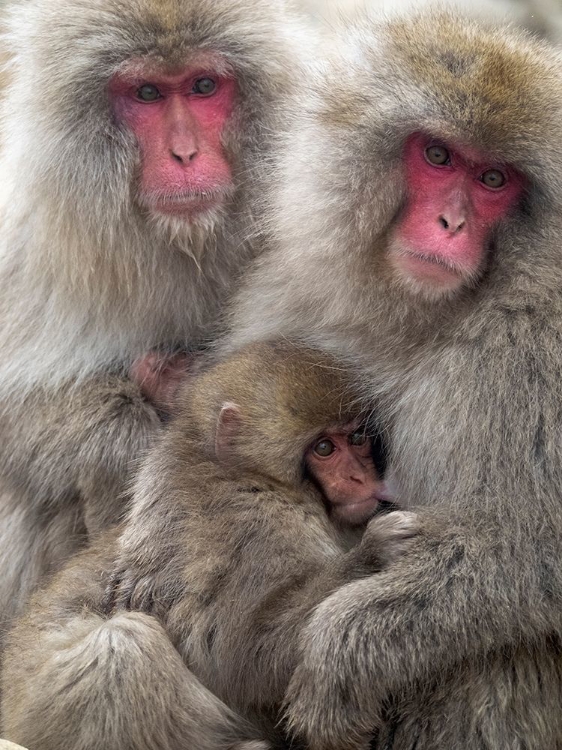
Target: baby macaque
{"type": "Point", "coordinates": [181, 629]}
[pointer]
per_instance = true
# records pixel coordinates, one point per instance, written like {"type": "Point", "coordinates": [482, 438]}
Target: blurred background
{"type": "Point", "coordinates": [541, 16]}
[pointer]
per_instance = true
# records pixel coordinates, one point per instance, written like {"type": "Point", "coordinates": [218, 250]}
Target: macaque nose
{"type": "Point", "coordinates": [184, 155]}
{"type": "Point", "coordinates": [357, 478]}
{"type": "Point", "coordinates": [451, 222]}
{"type": "Point", "coordinates": [360, 473]}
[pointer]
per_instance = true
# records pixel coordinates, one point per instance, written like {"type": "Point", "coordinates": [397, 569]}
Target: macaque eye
{"type": "Point", "coordinates": [148, 93]}
{"type": "Point", "coordinates": [493, 178]}
{"type": "Point", "coordinates": [437, 155]}
{"type": "Point", "coordinates": [324, 448]}
{"type": "Point", "coordinates": [204, 86]}
{"type": "Point", "coordinates": [357, 438]}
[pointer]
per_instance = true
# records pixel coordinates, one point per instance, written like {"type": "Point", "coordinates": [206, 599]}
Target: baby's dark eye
{"type": "Point", "coordinates": [324, 448]}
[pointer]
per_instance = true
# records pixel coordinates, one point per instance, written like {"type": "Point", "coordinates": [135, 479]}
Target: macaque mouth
{"type": "Point", "coordinates": [185, 202]}
{"type": "Point", "coordinates": [357, 512]}
{"type": "Point", "coordinates": [431, 269]}
{"type": "Point", "coordinates": [433, 260]}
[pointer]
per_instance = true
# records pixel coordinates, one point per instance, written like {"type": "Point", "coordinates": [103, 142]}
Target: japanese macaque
{"type": "Point", "coordinates": [423, 241]}
{"type": "Point", "coordinates": [247, 514]}
{"type": "Point", "coordinates": [127, 192]}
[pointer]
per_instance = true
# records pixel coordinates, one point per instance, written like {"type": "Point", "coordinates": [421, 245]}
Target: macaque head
{"type": "Point", "coordinates": [157, 111]}
{"type": "Point", "coordinates": [178, 119]}
{"type": "Point", "coordinates": [455, 196]}
{"type": "Point", "coordinates": [443, 138]}
{"type": "Point", "coordinates": [287, 414]}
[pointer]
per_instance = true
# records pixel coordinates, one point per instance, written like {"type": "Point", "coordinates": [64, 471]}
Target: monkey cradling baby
{"type": "Point", "coordinates": [181, 629]}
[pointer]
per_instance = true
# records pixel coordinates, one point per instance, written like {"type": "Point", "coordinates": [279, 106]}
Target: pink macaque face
{"type": "Point", "coordinates": [342, 464]}
{"type": "Point", "coordinates": [178, 122]}
{"type": "Point", "coordinates": [455, 197]}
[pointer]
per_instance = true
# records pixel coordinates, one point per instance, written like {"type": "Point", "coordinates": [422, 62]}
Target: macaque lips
{"type": "Point", "coordinates": [455, 197]}
{"type": "Point", "coordinates": [178, 122]}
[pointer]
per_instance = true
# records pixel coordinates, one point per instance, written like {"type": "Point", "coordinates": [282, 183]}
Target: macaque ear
{"type": "Point", "coordinates": [228, 427]}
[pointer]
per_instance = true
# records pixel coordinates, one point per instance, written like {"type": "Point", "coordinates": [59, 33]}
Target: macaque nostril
{"type": "Point", "coordinates": [453, 226]}
{"type": "Point", "coordinates": [185, 158]}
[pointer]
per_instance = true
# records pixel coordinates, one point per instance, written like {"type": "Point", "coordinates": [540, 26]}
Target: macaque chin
{"type": "Point", "coordinates": [341, 463]}
{"type": "Point", "coordinates": [178, 120]}
{"type": "Point", "coordinates": [455, 197]}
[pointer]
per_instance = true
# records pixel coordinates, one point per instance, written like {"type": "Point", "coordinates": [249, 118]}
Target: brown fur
{"type": "Point", "coordinates": [458, 645]}
{"type": "Point", "coordinates": [219, 563]}
{"type": "Point", "coordinates": [88, 280]}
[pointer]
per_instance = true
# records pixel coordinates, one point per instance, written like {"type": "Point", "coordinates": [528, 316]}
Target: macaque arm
{"type": "Point", "coordinates": [447, 599]}
{"type": "Point", "coordinates": [281, 566]}
{"type": "Point", "coordinates": [73, 676]}
{"type": "Point", "coordinates": [77, 439]}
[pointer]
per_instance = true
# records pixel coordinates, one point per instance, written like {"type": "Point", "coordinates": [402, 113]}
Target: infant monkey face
{"type": "Point", "coordinates": [341, 462]}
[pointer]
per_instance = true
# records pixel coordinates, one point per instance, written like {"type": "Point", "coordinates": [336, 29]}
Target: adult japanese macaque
{"type": "Point", "coordinates": [423, 241]}
{"type": "Point", "coordinates": [246, 515]}
{"type": "Point", "coordinates": [126, 194]}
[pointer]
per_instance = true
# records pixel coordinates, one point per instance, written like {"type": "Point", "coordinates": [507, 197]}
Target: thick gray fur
{"type": "Point", "coordinates": [457, 646]}
{"type": "Point", "coordinates": [88, 280]}
{"type": "Point", "coordinates": [180, 630]}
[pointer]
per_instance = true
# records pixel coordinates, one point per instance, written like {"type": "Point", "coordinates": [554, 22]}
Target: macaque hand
{"type": "Point", "coordinates": [160, 376]}
{"type": "Point", "coordinates": [387, 537]}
